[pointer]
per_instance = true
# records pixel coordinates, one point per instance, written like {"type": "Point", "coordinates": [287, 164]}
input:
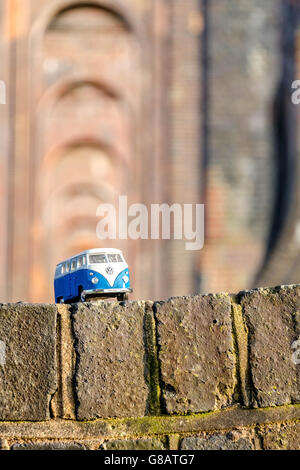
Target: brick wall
{"type": "Point", "coordinates": [244, 67]}
{"type": "Point", "coordinates": [203, 372]}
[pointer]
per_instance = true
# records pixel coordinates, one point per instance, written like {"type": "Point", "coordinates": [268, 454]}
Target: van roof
{"type": "Point", "coordinates": [92, 251]}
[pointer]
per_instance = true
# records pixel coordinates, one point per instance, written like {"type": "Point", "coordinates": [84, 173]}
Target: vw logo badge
{"type": "Point", "coordinates": [109, 270]}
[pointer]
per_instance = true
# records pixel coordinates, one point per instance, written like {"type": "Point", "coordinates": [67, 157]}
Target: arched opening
{"type": "Point", "coordinates": [87, 17]}
{"type": "Point", "coordinates": [87, 91]}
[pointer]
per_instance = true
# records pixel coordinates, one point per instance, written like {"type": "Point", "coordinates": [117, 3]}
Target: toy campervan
{"type": "Point", "coordinates": [100, 272]}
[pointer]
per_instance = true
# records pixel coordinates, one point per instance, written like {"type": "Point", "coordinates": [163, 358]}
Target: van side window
{"type": "Point", "coordinates": [68, 267]}
{"type": "Point", "coordinates": [84, 260]}
{"type": "Point", "coordinates": [58, 270]}
{"type": "Point", "coordinates": [63, 268]}
{"type": "Point", "coordinates": [73, 265]}
{"type": "Point", "coordinates": [79, 262]}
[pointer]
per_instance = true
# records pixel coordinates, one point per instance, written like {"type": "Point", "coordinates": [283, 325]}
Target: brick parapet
{"type": "Point", "coordinates": [207, 371]}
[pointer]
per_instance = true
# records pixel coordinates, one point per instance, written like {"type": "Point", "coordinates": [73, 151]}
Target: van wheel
{"type": "Point", "coordinates": [82, 296]}
{"type": "Point", "coordinates": [122, 297]}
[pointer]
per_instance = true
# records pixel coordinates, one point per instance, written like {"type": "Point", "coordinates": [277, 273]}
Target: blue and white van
{"type": "Point", "coordinates": [100, 272]}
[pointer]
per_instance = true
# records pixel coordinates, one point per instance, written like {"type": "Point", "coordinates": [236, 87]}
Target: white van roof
{"type": "Point", "coordinates": [92, 251]}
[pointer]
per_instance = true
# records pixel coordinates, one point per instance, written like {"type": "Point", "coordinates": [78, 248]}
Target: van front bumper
{"type": "Point", "coordinates": [106, 291]}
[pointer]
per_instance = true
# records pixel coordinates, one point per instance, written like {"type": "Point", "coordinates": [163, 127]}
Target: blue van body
{"type": "Point", "coordinates": [78, 277]}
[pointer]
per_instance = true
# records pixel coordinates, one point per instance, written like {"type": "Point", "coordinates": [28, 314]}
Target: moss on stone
{"type": "Point", "coordinates": [240, 335]}
{"type": "Point", "coordinates": [152, 377]}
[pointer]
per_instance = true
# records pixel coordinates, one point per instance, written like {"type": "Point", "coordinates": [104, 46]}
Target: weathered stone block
{"type": "Point", "coordinates": [196, 353]}
{"type": "Point", "coordinates": [233, 440]}
{"type": "Point", "coordinates": [283, 436]}
{"type": "Point", "coordinates": [133, 444]}
{"type": "Point", "coordinates": [271, 317]}
{"type": "Point", "coordinates": [110, 372]}
{"type": "Point", "coordinates": [49, 446]}
{"type": "Point", "coordinates": [28, 368]}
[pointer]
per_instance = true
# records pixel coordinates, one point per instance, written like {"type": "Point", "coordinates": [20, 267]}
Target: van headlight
{"type": "Point", "coordinates": [95, 280]}
{"type": "Point", "coordinates": [125, 279]}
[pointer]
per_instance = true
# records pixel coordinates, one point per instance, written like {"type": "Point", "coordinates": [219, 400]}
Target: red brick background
{"type": "Point", "coordinates": [107, 99]}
